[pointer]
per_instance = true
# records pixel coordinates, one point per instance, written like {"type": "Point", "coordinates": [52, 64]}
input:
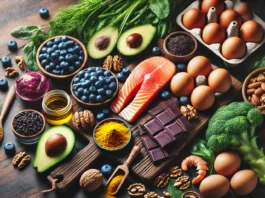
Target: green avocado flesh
{"type": "Point", "coordinates": [42, 161]}
{"type": "Point", "coordinates": [112, 34]}
{"type": "Point", "coordinates": [147, 31]}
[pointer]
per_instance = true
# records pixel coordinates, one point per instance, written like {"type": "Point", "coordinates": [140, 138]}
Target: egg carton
{"type": "Point", "coordinates": [232, 31]}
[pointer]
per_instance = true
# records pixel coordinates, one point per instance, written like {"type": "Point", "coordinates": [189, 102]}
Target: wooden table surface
{"type": "Point", "coordinates": [27, 183]}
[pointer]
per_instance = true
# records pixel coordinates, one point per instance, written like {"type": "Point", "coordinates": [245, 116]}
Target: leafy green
{"type": "Point", "coordinates": [161, 8]}
{"type": "Point", "coordinates": [25, 32]}
{"type": "Point", "coordinates": [201, 149]}
{"type": "Point", "coordinates": [175, 192]}
{"type": "Point", "coordinates": [30, 52]}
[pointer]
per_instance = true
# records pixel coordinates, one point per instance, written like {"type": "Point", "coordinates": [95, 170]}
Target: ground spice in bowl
{"type": "Point", "coordinates": [114, 184]}
{"type": "Point", "coordinates": [180, 45]}
{"type": "Point", "coordinates": [112, 134]}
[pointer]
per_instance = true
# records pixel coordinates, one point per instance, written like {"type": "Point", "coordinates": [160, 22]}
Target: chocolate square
{"type": "Point", "coordinates": [149, 142]}
{"type": "Point", "coordinates": [158, 109]}
{"type": "Point", "coordinates": [153, 127]}
{"type": "Point", "coordinates": [174, 111]}
{"type": "Point", "coordinates": [141, 130]}
{"type": "Point", "coordinates": [184, 123]}
{"type": "Point", "coordinates": [163, 139]}
{"type": "Point", "coordinates": [175, 129]}
{"type": "Point", "coordinates": [157, 154]}
{"type": "Point", "coordinates": [165, 117]}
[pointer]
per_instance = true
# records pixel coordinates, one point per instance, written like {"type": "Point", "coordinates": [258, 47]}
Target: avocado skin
{"type": "Point", "coordinates": [42, 162]}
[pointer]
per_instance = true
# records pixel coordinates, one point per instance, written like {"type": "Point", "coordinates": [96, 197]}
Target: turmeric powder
{"type": "Point", "coordinates": [112, 135]}
{"type": "Point", "coordinates": [114, 184]}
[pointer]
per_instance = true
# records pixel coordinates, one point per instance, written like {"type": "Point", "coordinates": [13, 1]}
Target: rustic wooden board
{"type": "Point", "coordinates": [143, 167]}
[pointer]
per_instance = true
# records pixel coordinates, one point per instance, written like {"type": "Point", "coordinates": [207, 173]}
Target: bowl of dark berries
{"type": "Point", "coordinates": [94, 87]}
{"type": "Point", "coordinates": [61, 57]}
{"type": "Point", "coordinates": [180, 46]}
{"type": "Point", "coordinates": [28, 125]}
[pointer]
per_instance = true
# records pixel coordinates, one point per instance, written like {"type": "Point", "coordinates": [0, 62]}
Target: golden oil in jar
{"type": "Point", "coordinates": [57, 107]}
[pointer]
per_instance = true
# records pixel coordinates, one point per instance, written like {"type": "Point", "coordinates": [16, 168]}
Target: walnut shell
{"type": "Point", "coordinates": [91, 180]}
{"type": "Point", "coordinates": [84, 120]}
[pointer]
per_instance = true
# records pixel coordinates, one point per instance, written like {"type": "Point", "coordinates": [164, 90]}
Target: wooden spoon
{"type": "Point", "coordinates": [8, 101]}
{"type": "Point", "coordinates": [124, 169]}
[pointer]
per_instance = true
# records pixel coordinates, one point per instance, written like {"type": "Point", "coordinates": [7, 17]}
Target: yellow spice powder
{"type": "Point", "coordinates": [114, 184]}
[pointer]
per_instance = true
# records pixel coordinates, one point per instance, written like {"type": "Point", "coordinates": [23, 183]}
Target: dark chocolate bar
{"type": "Point", "coordinates": [175, 129]}
{"type": "Point", "coordinates": [163, 106]}
{"type": "Point", "coordinates": [184, 123]}
{"type": "Point", "coordinates": [164, 139]}
{"type": "Point", "coordinates": [174, 111]}
{"type": "Point", "coordinates": [165, 117]}
{"type": "Point", "coordinates": [149, 142]}
{"type": "Point", "coordinates": [153, 127]}
{"type": "Point", "coordinates": [157, 154]}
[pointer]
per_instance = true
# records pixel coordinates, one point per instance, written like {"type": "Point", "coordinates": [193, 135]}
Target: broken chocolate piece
{"type": "Point", "coordinates": [149, 142]}
{"type": "Point", "coordinates": [153, 127]}
{"type": "Point", "coordinates": [164, 139]}
{"type": "Point", "coordinates": [157, 154]}
{"type": "Point", "coordinates": [165, 117]}
{"type": "Point", "coordinates": [175, 129]}
{"type": "Point", "coordinates": [174, 111]}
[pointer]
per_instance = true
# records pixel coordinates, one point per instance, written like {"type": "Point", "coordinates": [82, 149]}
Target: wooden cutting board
{"type": "Point", "coordinates": [143, 167]}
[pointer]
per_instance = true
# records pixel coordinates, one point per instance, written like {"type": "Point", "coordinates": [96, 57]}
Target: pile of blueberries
{"type": "Point", "coordinates": [94, 85]}
{"type": "Point", "coordinates": [61, 56]}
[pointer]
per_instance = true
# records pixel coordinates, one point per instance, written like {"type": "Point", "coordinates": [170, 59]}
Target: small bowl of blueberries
{"type": "Point", "coordinates": [94, 87]}
{"type": "Point", "coordinates": [61, 57]}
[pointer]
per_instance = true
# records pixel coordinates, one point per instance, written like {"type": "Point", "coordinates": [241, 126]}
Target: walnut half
{"type": "Point", "coordinates": [136, 190]}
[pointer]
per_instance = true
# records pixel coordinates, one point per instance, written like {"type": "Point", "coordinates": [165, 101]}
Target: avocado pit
{"type": "Point", "coordinates": [102, 42]}
{"type": "Point", "coordinates": [55, 145]}
{"type": "Point", "coordinates": [134, 40]}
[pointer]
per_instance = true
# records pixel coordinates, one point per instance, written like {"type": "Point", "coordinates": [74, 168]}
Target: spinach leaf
{"type": "Point", "coordinates": [25, 32]}
{"type": "Point", "coordinates": [175, 192]}
{"type": "Point", "coordinates": [30, 52]}
{"type": "Point", "coordinates": [160, 8]}
{"type": "Point", "coordinates": [201, 149]}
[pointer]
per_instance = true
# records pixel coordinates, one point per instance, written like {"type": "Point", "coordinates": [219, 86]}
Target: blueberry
{"type": "Point", "coordinates": [58, 67]}
{"type": "Point", "coordinates": [76, 80]}
{"type": "Point", "coordinates": [3, 84]}
{"type": "Point", "coordinates": [126, 71]}
{"type": "Point", "coordinates": [106, 169]}
{"type": "Point", "coordinates": [64, 38]}
{"type": "Point", "coordinates": [52, 65]}
{"type": "Point", "coordinates": [81, 53]}
{"type": "Point", "coordinates": [113, 86]}
{"type": "Point", "coordinates": [42, 57]}
{"type": "Point", "coordinates": [84, 98]}
{"type": "Point", "coordinates": [6, 61]}
{"type": "Point", "coordinates": [64, 65]}
{"type": "Point", "coordinates": [10, 148]}
{"type": "Point", "coordinates": [61, 58]}
{"type": "Point", "coordinates": [50, 50]}
{"type": "Point", "coordinates": [165, 95]}
{"type": "Point", "coordinates": [156, 51]}
{"type": "Point", "coordinates": [105, 87]}
{"type": "Point", "coordinates": [181, 67]}
{"type": "Point", "coordinates": [12, 45]}
{"type": "Point", "coordinates": [44, 62]}
{"type": "Point", "coordinates": [49, 44]}
{"type": "Point", "coordinates": [81, 58]}
{"type": "Point", "coordinates": [44, 13]}
{"type": "Point", "coordinates": [93, 79]}
{"type": "Point", "coordinates": [62, 45]}
{"type": "Point", "coordinates": [101, 91]}
{"type": "Point", "coordinates": [99, 98]}
{"type": "Point", "coordinates": [76, 48]}
{"type": "Point", "coordinates": [94, 74]}
{"type": "Point", "coordinates": [112, 79]}
{"type": "Point", "coordinates": [81, 74]}
{"type": "Point", "coordinates": [75, 57]}
{"type": "Point", "coordinates": [71, 69]}
{"type": "Point", "coordinates": [121, 77]}
{"type": "Point", "coordinates": [92, 98]}
{"type": "Point", "coordinates": [99, 72]}
{"type": "Point", "coordinates": [86, 92]}
{"type": "Point", "coordinates": [92, 89]}
{"type": "Point", "coordinates": [98, 84]}
{"type": "Point", "coordinates": [91, 69]}
{"type": "Point", "coordinates": [76, 86]}
{"type": "Point", "coordinates": [55, 47]}
{"type": "Point", "coordinates": [106, 112]}
{"type": "Point", "coordinates": [86, 83]}
{"type": "Point", "coordinates": [101, 79]}
{"type": "Point", "coordinates": [80, 89]}
{"type": "Point", "coordinates": [107, 73]}
{"type": "Point", "coordinates": [100, 116]}
{"type": "Point", "coordinates": [109, 93]}
{"type": "Point", "coordinates": [48, 68]}
{"type": "Point", "coordinates": [63, 72]}
{"type": "Point", "coordinates": [69, 57]}
{"type": "Point", "coordinates": [107, 80]}
{"type": "Point", "coordinates": [44, 50]}
{"type": "Point", "coordinates": [57, 41]}
{"type": "Point", "coordinates": [56, 72]}
{"type": "Point", "coordinates": [54, 55]}
{"type": "Point", "coordinates": [87, 75]}
{"type": "Point", "coordinates": [184, 100]}
{"type": "Point", "coordinates": [70, 43]}
{"type": "Point", "coordinates": [77, 94]}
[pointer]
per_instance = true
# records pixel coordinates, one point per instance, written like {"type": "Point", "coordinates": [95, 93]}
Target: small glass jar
{"type": "Point", "coordinates": [57, 107]}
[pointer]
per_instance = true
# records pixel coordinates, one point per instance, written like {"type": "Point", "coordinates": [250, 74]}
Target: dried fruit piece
{"type": "Point", "coordinates": [136, 190]}
{"type": "Point", "coordinates": [162, 180]}
{"type": "Point", "coordinates": [18, 157]}
{"type": "Point", "coordinates": [24, 162]}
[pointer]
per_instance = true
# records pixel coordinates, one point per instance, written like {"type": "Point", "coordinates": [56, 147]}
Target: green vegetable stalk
{"type": "Point", "coordinates": [233, 127]}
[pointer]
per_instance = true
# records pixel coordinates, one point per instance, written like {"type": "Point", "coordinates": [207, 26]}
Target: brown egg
{"type": "Point", "coordinates": [233, 48]}
{"type": "Point", "coordinates": [244, 182]}
{"type": "Point", "coordinates": [182, 84]}
{"type": "Point", "coordinates": [213, 33]}
{"type": "Point", "coordinates": [199, 65]}
{"type": "Point", "coordinates": [244, 10]}
{"type": "Point", "coordinates": [219, 80]}
{"type": "Point", "coordinates": [194, 18]}
{"type": "Point", "coordinates": [227, 163]}
{"type": "Point", "coordinates": [251, 31]}
{"type": "Point", "coordinates": [202, 98]}
{"type": "Point", "coordinates": [214, 186]}
{"type": "Point", "coordinates": [228, 16]}
{"type": "Point", "coordinates": [218, 4]}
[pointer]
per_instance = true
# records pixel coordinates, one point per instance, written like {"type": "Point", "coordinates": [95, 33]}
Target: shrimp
{"type": "Point", "coordinates": [199, 163]}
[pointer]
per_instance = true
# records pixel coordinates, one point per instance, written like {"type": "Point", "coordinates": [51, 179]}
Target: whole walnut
{"type": "Point", "coordinates": [84, 120]}
{"type": "Point", "coordinates": [91, 180]}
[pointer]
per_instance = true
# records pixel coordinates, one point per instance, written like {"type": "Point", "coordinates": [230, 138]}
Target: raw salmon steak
{"type": "Point", "coordinates": [144, 83]}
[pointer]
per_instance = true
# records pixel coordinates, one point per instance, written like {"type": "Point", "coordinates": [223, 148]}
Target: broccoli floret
{"type": "Point", "coordinates": [233, 127]}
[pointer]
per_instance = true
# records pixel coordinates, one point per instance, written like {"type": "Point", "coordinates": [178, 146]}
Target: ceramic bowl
{"type": "Point", "coordinates": [115, 120]}
{"type": "Point", "coordinates": [67, 75]}
{"type": "Point", "coordinates": [94, 105]}
{"type": "Point", "coordinates": [29, 140]}
{"type": "Point", "coordinates": [178, 58]}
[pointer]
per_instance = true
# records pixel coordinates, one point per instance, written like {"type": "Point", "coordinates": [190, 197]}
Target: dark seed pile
{"type": "Point", "coordinates": [28, 123]}
{"type": "Point", "coordinates": [180, 45]}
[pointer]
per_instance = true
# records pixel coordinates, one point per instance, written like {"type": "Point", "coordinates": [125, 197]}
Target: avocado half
{"type": "Point", "coordinates": [147, 31]}
{"type": "Point", "coordinates": [42, 161]}
{"type": "Point", "coordinates": [111, 33]}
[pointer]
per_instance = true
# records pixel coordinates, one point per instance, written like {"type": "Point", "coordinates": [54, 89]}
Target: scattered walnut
{"type": "Point", "coordinates": [91, 180]}
{"type": "Point", "coordinates": [24, 162]}
{"type": "Point", "coordinates": [189, 112]}
{"type": "Point", "coordinates": [18, 157]}
{"type": "Point", "coordinates": [151, 195]}
{"type": "Point", "coordinates": [11, 72]}
{"type": "Point", "coordinates": [175, 172]}
{"type": "Point", "coordinates": [190, 194]}
{"type": "Point", "coordinates": [261, 78]}
{"type": "Point", "coordinates": [84, 120]}
{"type": "Point", "coordinates": [113, 63]}
{"type": "Point", "coordinates": [108, 63]}
{"type": "Point", "coordinates": [162, 180]}
{"type": "Point", "coordinates": [166, 195]}
{"type": "Point", "coordinates": [136, 190]}
{"type": "Point", "coordinates": [182, 182]}
{"type": "Point", "coordinates": [20, 62]}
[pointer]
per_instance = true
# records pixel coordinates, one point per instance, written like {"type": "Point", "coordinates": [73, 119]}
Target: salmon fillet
{"type": "Point", "coordinates": [145, 82]}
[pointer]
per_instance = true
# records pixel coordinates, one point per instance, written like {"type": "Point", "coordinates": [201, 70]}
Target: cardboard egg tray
{"type": "Point", "coordinates": [216, 48]}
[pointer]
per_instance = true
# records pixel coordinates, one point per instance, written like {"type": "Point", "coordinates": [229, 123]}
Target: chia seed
{"type": "Point", "coordinates": [180, 45]}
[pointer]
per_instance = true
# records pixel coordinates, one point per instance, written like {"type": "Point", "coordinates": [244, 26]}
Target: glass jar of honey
{"type": "Point", "coordinates": [57, 107]}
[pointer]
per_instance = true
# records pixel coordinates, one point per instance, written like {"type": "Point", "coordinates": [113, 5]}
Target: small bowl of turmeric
{"type": "Point", "coordinates": [112, 134]}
